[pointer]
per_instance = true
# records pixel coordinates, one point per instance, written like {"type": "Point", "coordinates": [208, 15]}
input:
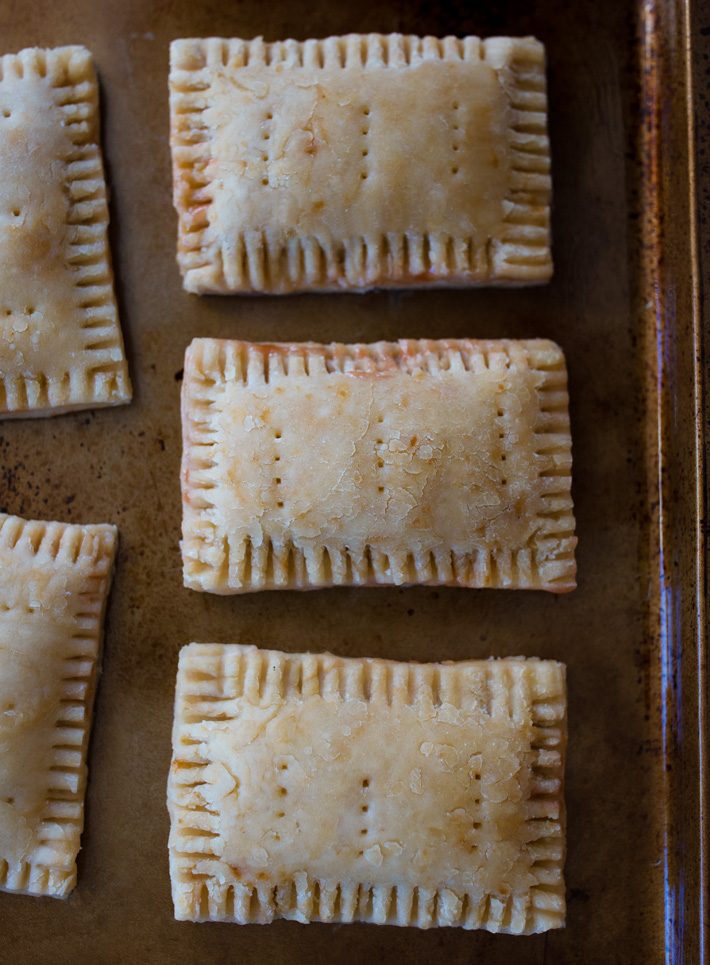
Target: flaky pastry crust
{"type": "Point", "coordinates": [318, 788]}
{"type": "Point", "coordinates": [360, 161]}
{"type": "Point", "coordinates": [310, 465]}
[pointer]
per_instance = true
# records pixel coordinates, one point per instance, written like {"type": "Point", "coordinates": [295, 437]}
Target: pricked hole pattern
{"type": "Point", "coordinates": [266, 137]}
{"type": "Point", "coordinates": [255, 262]}
{"type": "Point", "coordinates": [53, 869]}
{"type": "Point", "coordinates": [455, 142]}
{"type": "Point", "coordinates": [365, 148]}
{"type": "Point", "coordinates": [103, 380]}
{"type": "Point", "coordinates": [210, 673]}
{"type": "Point", "coordinates": [547, 562]}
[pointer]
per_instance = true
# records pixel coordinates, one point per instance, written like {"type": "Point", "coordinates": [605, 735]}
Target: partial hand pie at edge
{"type": "Point", "coordinates": [54, 582]}
{"type": "Point", "coordinates": [61, 346]}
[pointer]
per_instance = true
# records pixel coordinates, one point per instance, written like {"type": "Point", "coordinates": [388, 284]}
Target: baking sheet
{"type": "Point", "coordinates": [122, 466]}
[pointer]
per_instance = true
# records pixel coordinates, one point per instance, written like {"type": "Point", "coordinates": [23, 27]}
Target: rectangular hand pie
{"type": "Point", "coordinates": [318, 788]}
{"type": "Point", "coordinates": [60, 342]}
{"type": "Point", "coordinates": [310, 465]}
{"type": "Point", "coordinates": [360, 161]}
{"type": "Point", "coordinates": [54, 580]}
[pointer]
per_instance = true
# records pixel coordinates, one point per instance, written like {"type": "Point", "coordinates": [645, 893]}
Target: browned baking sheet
{"type": "Point", "coordinates": [623, 304]}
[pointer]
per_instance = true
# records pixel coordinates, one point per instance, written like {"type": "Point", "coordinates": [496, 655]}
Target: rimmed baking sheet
{"type": "Point", "coordinates": [122, 466]}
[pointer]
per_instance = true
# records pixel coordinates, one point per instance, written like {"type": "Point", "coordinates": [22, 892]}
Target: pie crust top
{"type": "Point", "coordinates": [286, 801]}
{"type": "Point", "coordinates": [310, 465]}
{"type": "Point", "coordinates": [54, 580]}
{"type": "Point", "coordinates": [60, 342]}
{"type": "Point", "coordinates": [359, 162]}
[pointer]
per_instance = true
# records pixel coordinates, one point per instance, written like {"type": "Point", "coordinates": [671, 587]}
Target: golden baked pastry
{"type": "Point", "coordinates": [442, 462]}
{"type": "Point", "coordinates": [60, 342]}
{"type": "Point", "coordinates": [319, 788]}
{"type": "Point", "coordinates": [54, 580]}
{"type": "Point", "coordinates": [360, 161]}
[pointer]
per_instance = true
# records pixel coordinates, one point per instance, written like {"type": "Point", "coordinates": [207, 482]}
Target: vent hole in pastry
{"type": "Point", "coordinates": [363, 830]}
{"type": "Point", "coordinates": [16, 212]}
{"type": "Point", "coordinates": [281, 814]}
{"type": "Point", "coordinates": [277, 481]}
{"type": "Point", "coordinates": [380, 418]}
{"type": "Point", "coordinates": [366, 782]}
{"type": "Point", "coordinates": [503, 457]}
{"type": "Point", "coordinates": [6, 113]}
{"type": "Point", "coordinates": [277, 434]}
{"type": "Point", "coordinates": [264, 180]}
{"type": "Point", "coordinates": [504, 482]}
{"type": "Point", "coordinates": [280, 504]}
{"type": "Point", "coordinates": [454, 170]}
{"type": "Point", "coordinates": [364, 176]}
{"type": "Point", "coordinates": [283, 767]}
{"type": "Point", "coordinates": [476, 825]}
{"type": "Point", "coordinates": [500, 413]}
{"type": "Point", "coordinates": [30, 310]}
{"type": "Point", "coordinates": [9, 800]}
{"type": "Point", "coordinates": [269, 116]}
{"type": "Point", "coordinates": [365, 152]}
{"type": "Point", "coordinates": [283, 792]}
{"type": "Point", "coordinates": [455, 127]}
{"type": "Point", "coordinates": [366, 111]}
{"type": "Point", "coordinates": [364, 808]}
{"type": "Point", "coordinates": [455, 105]}
{"type": "Point", "coordinates": [380, 463]}
{"type": "Point", "coordinates": [8, 311]}
{"type": "Point", "coordinates": [380, 489]}
{"type": "Point", "coordinates": [277, 458]}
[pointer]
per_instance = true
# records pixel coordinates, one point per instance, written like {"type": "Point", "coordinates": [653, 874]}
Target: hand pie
{"type": "Point", "coordinates": [318, 788]}
{"type": "Point", "coordinates": [311, 465]}
{"type": "Point", "coordinates": [60, 342]}
{"type": "Point", "coordinates": [54, 580]}
{"type": "Point", "coordinates": [360, 161]}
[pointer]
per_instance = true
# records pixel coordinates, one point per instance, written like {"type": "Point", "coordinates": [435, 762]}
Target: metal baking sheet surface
{"type": "Point", "coordinates": [122, 466]}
